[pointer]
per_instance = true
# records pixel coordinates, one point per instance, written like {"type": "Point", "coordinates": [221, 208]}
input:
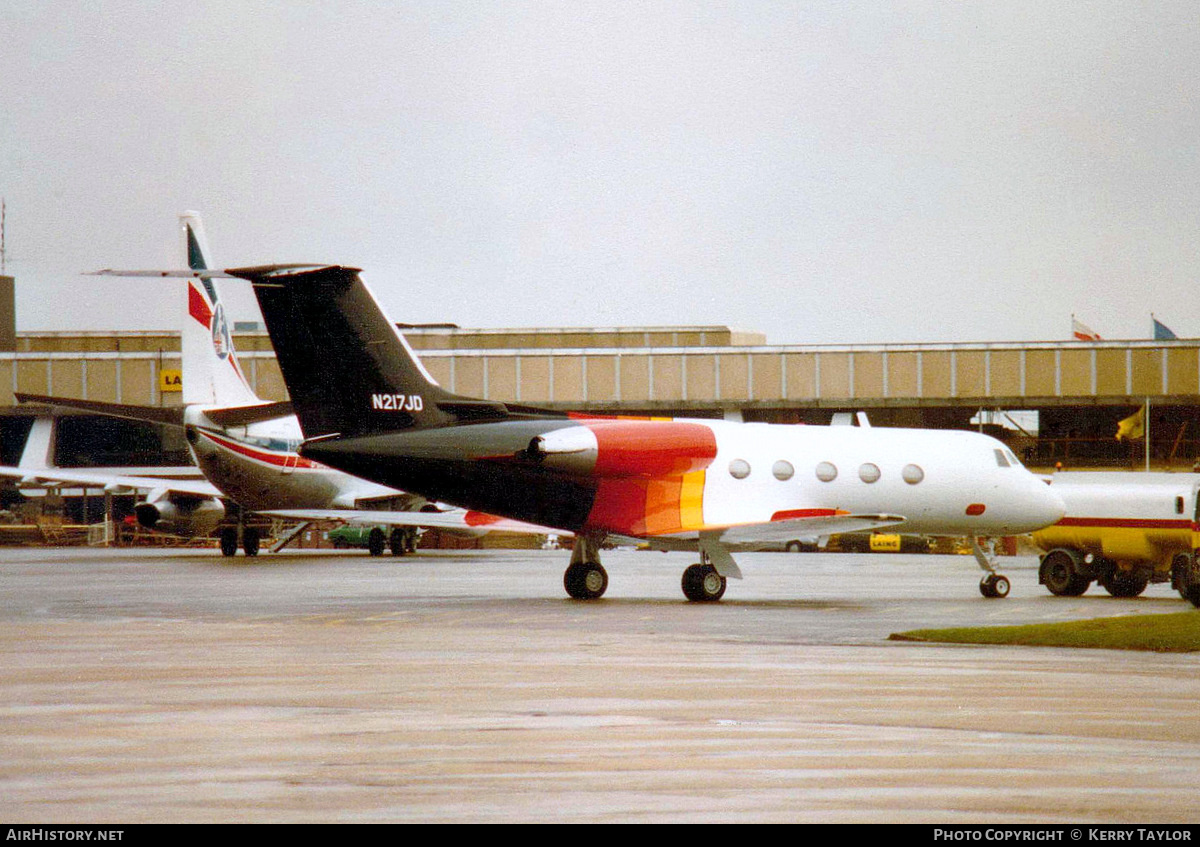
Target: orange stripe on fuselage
{"type": "Point", "coordinates": [662, 505]}
{"type": "Point", "coordinates": [643, 507]}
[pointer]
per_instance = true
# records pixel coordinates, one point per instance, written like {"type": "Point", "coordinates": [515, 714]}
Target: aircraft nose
{"type": "Point", "coordinates": [1046, 506]}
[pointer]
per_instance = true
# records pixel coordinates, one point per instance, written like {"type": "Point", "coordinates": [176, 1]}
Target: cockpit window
{"type": "Point", "coordinates": [1001, 459]}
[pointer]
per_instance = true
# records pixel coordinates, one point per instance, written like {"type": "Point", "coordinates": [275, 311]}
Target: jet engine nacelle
{"type": "Point", "coordinates": [179, 515]}
{"type": "Point", "coordinates": [626, 448]}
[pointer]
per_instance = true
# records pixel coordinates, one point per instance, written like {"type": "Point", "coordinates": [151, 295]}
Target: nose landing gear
{"type": "Point", "coordinates": [993, 584]}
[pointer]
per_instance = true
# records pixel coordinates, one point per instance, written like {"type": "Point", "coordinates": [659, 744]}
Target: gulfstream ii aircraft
{"type": "Point", "coordinates": [366, 405]}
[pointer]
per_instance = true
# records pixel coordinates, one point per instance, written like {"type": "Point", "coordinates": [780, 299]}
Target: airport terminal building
{"type": "Point", "coordinates": [1055, 403]}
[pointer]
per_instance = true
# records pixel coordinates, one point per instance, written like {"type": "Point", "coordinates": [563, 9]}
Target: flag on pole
{"type": "Point", "coordinates": [1162, 332]}
{"type": "Point", "coordinates": [1082, 331]}
{"type": "Point", "coordinates": [1133, 427]}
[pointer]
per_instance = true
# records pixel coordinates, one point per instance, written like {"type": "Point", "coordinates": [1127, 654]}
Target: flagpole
{"type": "Point", "coordinates": [1147, 427]}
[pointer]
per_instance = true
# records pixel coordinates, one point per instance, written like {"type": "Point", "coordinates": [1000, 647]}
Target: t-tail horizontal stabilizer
{"type": "Point", "coordinates": [347, 367]}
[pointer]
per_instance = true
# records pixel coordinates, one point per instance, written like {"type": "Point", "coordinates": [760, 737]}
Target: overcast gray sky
{"type": "Point", "coordinates": [824, 172]}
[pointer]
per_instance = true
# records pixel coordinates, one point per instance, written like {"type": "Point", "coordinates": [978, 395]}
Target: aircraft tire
{"type": "Point", "coordinates": [250, 540]}
{"type": "Point", "coordinates": [229, 541]}
{"type": "Point", "coordinates": [994, 585]}
{"type": "Point", "coordinates": [702, 584]}
{"type": "Point", "coordinates": [585, 581]}
{"type": "Point", "coordinates": [375, 542]}
{"type": "Point", "coordinates": [397, 542]}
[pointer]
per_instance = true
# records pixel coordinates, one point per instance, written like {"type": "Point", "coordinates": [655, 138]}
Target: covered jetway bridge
{"type": "Point", "coordinates": [1079, 390]}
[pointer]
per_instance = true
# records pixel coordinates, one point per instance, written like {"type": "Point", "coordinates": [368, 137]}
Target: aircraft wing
{"type": "Point", "coordinates": [782, 531]}
{"type": "Point", "coordinates": [99, 479]}
{"type": "Point", "coordinates": [170, 415]}
{"type": "Point", "coordinates": [455, 519]}
{"type": "Point", "coordinates": [787, 527]}
{"type": "Point", "coordinates": [747, 536]}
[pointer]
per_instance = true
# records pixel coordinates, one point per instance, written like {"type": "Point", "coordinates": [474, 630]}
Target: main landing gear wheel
{"type": "Point", "coordinates": [250, 539]}
{"type": "Point", "coordinates": [994, 585]}
{"type": "Point", "coordinates": [229, 541]}
{"type": "Point", "coordinates": [702, 584]}
{"type": "Point", "coordinates": [400, 542]}
{"type": "Point", "coordinates": [375, 542]}
{"type": "Point", "coordinates": [585, 580]}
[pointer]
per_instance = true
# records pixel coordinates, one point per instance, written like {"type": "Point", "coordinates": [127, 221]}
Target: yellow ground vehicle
{"type": "Point", "coordinates": [1124, 531]}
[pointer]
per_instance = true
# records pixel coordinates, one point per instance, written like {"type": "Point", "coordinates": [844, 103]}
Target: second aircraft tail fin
{"type": "Point", "coordinates": [212, 374]}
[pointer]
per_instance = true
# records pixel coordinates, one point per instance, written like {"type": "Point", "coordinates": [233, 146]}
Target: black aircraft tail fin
{"type": "Point", "coordinates": [348, 369]}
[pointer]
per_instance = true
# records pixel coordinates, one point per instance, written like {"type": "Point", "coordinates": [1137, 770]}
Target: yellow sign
{"type": "Point", "coordinates": [881, 543]}
{"type": "Point", "coordinates": [170, 380]}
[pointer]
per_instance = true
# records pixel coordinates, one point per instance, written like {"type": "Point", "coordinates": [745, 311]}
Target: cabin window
{"type": "Point", "coordinates": [739, 469]}
{"type": "Point", "coordinates": [869, 473]}
{"type": "Point", "coordinates": [1001, 459]}
{"type": "Point", "coordinates": [783, 470]}
{"type": "Point", "coordinates": [912, 474]}
{"type": "Point", "coordinates": [827, 471]}
{"type": "Point", "coordinates": [1179, 505]}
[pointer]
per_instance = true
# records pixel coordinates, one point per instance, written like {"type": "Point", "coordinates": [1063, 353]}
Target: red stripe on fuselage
{"type": "Point", "coordinates": [652, 448]}
{"type": "Point", "coordinates": [797, 514]}
{"type": "Point", "coordinates": [620, 506]}
{"type": "Point", "coordinates": [1127, 523]}
{"type": "Point", "coordinates": [279, 460]}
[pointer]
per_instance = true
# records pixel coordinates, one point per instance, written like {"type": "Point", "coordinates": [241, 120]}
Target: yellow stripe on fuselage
{"type": "Point", "coordinates": [691, 501]}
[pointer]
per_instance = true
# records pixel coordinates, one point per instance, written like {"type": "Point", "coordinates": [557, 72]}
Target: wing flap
{"type": "Point", "coordinates": [755, 536]}
{"type": "Point", "coordinates": [783, 530]}
{"type": "Point", "coordinates": [458, 519]}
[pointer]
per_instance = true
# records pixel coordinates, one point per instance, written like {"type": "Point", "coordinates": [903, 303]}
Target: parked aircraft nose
{"type": "Point", "coordinates": [1043, 505]}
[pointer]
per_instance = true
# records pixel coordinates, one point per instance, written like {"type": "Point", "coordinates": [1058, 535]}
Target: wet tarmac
{"type": "Point", "coordinates": [151, 686]}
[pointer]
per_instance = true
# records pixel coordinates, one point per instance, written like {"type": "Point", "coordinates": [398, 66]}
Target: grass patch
{"type": "Point", "coordinates": [1166, 633]}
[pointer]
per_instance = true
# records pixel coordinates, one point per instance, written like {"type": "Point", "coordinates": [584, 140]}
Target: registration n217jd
{"type": "Point", "coordinates": [397, 402]}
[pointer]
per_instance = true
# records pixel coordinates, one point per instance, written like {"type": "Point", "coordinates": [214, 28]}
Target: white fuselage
{"type": "Point", "coordinates": [943, 482]}
{"type": "Point", "coordinates": [257, 466]}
